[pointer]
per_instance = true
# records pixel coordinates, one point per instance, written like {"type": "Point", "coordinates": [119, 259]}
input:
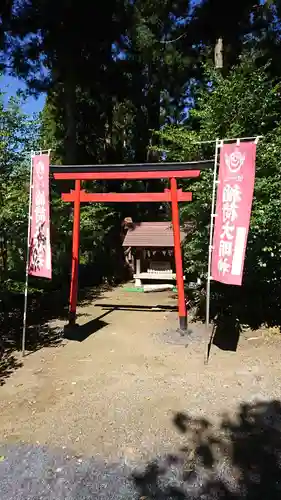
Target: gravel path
{"type": "Point", "coordinates": [33, 473]}
{"type": "Point", "coordinates": [133, 390]}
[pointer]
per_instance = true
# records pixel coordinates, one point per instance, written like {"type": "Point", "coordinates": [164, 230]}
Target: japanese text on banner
{"type": "Point", "coordinates": [233, 210]}
{"type": "Point", "coordinates": [40, 248]}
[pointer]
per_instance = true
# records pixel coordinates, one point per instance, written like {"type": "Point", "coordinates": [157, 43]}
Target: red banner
{"type": "Point", "coordinates": [233, 211]}
{"type": "Point", "coordinates": [40, 264]}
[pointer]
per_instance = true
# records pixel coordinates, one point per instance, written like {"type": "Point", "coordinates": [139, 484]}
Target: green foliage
{"type": "Point", "coordinates": [19, 134]}
{"type": "Point", "coordinates": [246, 103]}
{"type": "Point", "coordinates": [113, 74]}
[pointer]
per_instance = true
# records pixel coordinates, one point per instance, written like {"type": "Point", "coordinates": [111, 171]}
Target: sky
{"type": "Point", "coordinates": [9, 87]}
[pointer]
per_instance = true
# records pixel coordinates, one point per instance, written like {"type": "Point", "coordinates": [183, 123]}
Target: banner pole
{"type": "Point", "coordinates": [208, 287]}
{"type": "Point", "coordinates": [27, 256]}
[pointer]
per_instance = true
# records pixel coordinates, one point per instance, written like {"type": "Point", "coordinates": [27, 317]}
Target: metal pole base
{"type": "Point", "coordinates": [183, 322]}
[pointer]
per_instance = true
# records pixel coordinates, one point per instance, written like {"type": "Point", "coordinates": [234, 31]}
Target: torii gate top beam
{"type": "Point", "coordinates": [131, 171]}
{"type": "Point", "coordinates": [144, 171]}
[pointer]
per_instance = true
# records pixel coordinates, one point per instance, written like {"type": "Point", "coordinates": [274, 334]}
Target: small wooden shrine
{"type": "Point", "coordinates": [132, 171]}
{"type": "Point", "coordinates": [149, 249]}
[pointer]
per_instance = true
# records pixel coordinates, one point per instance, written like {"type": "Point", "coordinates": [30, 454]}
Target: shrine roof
{"type": "Point", "coordinates": [152, 234]}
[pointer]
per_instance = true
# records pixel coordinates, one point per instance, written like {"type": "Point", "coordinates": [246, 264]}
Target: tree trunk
{"type": "Point", "coordinates": [70, 153]}
{"type": "Point", "coordinates": [219, 54]}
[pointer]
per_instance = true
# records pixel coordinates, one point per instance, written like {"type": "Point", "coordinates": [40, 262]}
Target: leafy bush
{"type": "Point", "coordinates": [245, 103]}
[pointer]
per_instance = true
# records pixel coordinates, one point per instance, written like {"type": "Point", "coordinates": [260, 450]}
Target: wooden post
{"type": "Point", "coordinates": [178, 256]}
{"type": "Point", "coordinates": [219, 54]}
{"type": "Point", "coordinates": [75, 255]}
{"type": "Point", "coordinates": [138, 269]}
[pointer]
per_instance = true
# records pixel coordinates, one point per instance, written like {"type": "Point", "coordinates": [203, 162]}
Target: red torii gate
{"type": "Point", "coordinates": [171, 171]}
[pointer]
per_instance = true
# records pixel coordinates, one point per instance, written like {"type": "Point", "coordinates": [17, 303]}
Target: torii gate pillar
{"type": "Point", "coordinates": [169, 171]}
{"type": "Point", "coordinates": [75, 255]}
{"type": "Point", "coordinates": [178, 256]}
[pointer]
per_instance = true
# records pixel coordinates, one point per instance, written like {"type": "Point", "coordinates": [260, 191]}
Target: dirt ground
{"type": "Point", "coordinates": [115, 389]}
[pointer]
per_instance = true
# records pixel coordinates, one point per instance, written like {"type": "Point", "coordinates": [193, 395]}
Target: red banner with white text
{"type": "Point", "coordinates": [233, 211]}
{"type": "Point", "coordinates": [40, 263]}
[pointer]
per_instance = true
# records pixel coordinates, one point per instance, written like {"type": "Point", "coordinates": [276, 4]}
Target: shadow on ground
{"type": "Point", "coordinates": [79, 333]}
{"type": "Point", "coordinates": [241, 459]}
{"type": "Point", "coordinates": [8, 363]}
{"type": "Point", "coordinates": [225, 335]}
{"type": "Point", "coordinates": [136, 307]}
{"type": "Point", "coordinates": [41, 310]}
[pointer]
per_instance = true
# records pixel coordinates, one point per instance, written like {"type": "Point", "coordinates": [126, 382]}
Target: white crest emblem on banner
{"type": "Point", "coordinates": [234, 161]}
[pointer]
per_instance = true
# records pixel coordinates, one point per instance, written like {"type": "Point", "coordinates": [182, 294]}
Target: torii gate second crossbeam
{"type": "Point", "coordinates": [171, 171]}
